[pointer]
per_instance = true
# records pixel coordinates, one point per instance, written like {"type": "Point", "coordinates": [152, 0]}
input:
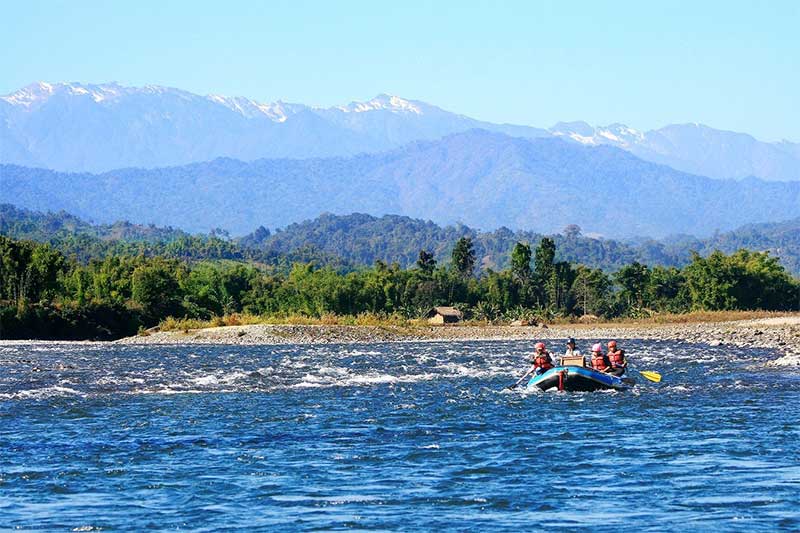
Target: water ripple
{"type": "Point", "coordinates": [402, 436]}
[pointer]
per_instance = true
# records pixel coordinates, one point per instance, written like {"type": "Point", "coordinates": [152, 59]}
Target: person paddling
{"type": "Point", "coordinates": [616, 358]}
{"type": "Point", "coordinates": [542, 362]}
{"type": "Point", "coordinates": [600, 360]}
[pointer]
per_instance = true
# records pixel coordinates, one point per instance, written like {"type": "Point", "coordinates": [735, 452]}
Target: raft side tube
{"type": "Point", "coordinates": [577, 379]}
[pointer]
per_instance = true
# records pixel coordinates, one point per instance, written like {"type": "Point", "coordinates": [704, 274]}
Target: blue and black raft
{"type": "Point", "coordinates": [572, 375]}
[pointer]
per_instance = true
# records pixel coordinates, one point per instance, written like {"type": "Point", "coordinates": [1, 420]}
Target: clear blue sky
{"type": "Point", "coordinates": [730, 64]}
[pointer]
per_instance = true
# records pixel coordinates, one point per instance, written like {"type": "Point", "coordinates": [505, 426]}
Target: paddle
{"type": "Point", "coordinates": [650, 375]}
{"type": "Point", "coordinates": [515, 385]}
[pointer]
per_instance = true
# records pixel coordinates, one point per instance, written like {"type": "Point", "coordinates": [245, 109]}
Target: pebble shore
{"type": "Point", "coordinates": [780, 333]}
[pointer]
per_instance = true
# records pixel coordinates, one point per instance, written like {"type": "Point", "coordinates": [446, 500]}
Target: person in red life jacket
{"type": "Point", "coordinates": [600, 360]}
{"type": "Point", "coordinates": [542, 362]}
{"type": "Point", "coordinates": [617, 359]}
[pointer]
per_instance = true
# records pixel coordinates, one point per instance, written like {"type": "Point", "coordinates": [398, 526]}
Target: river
{"type": "Point", "coordinates": [405, 436]}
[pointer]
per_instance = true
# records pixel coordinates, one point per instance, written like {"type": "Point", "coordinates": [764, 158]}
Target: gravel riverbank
{"type": "Point", "coordinates": [780, 333]}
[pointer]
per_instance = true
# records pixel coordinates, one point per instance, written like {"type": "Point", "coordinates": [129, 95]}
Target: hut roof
{"type": "Point", "coordinates": [445, 311]}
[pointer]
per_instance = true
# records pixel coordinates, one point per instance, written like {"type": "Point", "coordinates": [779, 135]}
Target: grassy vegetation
{"type": "Point", "coordinates": [396, 321]}
{"type": "Point", "coordinates": [693, 317]}
{"type": "Point", "coordinates": [245, 319]}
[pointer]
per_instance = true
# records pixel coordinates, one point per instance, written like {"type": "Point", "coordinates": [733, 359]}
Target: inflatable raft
{"type": "Point", "coordinates": [578, 379]}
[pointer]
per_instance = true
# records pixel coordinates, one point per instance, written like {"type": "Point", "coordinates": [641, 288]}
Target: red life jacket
{"type": "Point", "coordinates": [599, 362]}
{"type": "Point", "coordinates": [543, 361]}
{"type": "Point", "coordinates": [617, 359]}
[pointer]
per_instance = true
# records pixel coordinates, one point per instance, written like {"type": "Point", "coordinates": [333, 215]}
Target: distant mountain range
{"type": "Point", "coordinates": [359, 239]}
{"type": "Point", "coordinates": [482, 179]}
{"type": "Point", "coordinates": [76, 127]}
{"type": "Point", "coordinates": [96, 128]}
{"type": "Point", "coordinates": [696, 149]}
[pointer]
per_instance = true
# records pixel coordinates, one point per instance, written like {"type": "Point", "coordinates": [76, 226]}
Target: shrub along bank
{"type": "Point", "coordinates": [45, 295]}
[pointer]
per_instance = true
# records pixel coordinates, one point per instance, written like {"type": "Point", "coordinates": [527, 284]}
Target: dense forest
{"type": "Point", "coordinates": [348, 241]}
{"type": "Point", "coordinates": [46, 294]}
{"type": "Point", "coordinates": [82, 242]}
{"type": "Point", "coordinates": [363, 239]}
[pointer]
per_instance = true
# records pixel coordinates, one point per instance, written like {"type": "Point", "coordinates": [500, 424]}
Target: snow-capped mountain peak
{"type": "Point", "coordinates": [395, 104]}
{"type": "Point", "coordinates": [620, 134]}
{"type": "Point", "coordinates": [29, 95]}
{"type": "Point", "coordinates": [616, 134]}
{"type": "Point", "coordinates": [37, 93]}
{"type": "Point", "coordinates": [276, 111]}
{"type": "Point", "coordinates": [99, 127]}
{"type": "Point", "coordinates": [577, 131]}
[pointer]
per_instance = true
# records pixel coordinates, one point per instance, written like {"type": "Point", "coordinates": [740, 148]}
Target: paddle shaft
{"type": "Point", "coordinates": [528, 373]}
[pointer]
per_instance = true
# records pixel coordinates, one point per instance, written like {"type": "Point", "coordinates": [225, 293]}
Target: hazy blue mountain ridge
{"type": "Point", "coordinates": [479, 178]}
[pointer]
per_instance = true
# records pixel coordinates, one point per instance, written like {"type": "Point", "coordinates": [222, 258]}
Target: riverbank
{"type": "Point", "coordinates": [781, 333]}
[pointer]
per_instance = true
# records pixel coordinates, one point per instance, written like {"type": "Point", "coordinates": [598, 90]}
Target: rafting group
{"type": "Point", "coordinates": [604, 370]}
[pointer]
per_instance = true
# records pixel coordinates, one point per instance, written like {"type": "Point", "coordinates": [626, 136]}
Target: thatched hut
{"type": "Point", "coordinates": [444, 315]}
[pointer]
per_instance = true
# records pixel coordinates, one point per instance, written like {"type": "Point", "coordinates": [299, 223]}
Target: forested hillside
{"type": "Point", "coordinates": [359, 239]}
{"type": "Point", "coordinates": [83, 242]}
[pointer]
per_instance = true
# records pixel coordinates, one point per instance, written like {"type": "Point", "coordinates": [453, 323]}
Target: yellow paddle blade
{"type": "Point", "coordinates": [655, 377]}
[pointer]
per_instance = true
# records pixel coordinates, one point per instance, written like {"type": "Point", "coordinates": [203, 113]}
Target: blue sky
{"type": "Point", "coordinates": [733, 65]}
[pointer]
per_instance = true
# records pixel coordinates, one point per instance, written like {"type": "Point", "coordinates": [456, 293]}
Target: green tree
{"type": "Point", "coordinates": [545, 257]}
{"type": "Point", "coordinates": [521, 270]}
{"type": "Point", "coordinates": [557, 287]}
{"type": "Point", "coordinates": [667, 290]}
{"type": "Point", "coordinates": [521, 262]}
{"type": "Point", "coordinates": [29, 271]}
{"type": "Point", "coordinates": [544, 261]}
{"type": "Point", "coordinates": [590, 291]}
{"type": "Point", "coordinates": [765, 284]}
{"type": "Point", "coordinates": [634, 280]}
{"type": "Point", "coordinates": [426, 262]}
{"type": "Point", "coordinates": [712, 281]}
{"type": "Point", "coordinates": [463, 257]}
{"type": "Point", "coordinates": [155, 287]}
{"type": "Point", "coordinates": [743, 280]}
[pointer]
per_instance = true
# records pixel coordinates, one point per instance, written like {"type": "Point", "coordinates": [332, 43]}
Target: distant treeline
{"type": "Point", "coordinates": [45, 294]}
{"type": "Point", "coordinates": [346, 242]}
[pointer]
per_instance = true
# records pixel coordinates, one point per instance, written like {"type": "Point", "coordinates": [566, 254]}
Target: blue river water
{"type": "Point", "coordinates": [407, 436]}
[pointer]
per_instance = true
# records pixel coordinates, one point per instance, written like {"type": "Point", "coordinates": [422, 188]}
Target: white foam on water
{"type": "Point", "coordinates": [706, 359]}
{"type": "Point", "coordinates": [461, 370]}
{"type": "Point", "coordinates": [362, 352]}
{"type": "Point", "coordinates": [169, 391]}
{"type": "Point", "coordinates": [119, 380]}
{"type": "Point", "coordinates": [677, 388]}
{"type": "Point", "coordinates": [206, 380]}
{"type": "Point", "coordinates": [45, 392]}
